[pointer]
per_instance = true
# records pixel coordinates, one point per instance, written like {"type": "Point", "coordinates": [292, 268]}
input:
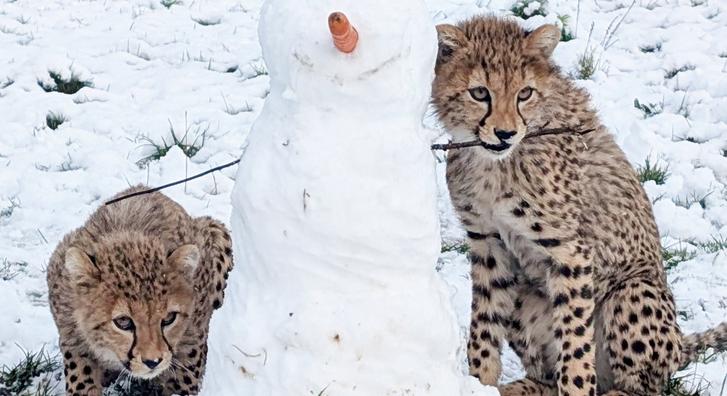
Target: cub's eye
{"type": "Point", "coordinates": [124, 323]}
{"type": "Point", "coordinates": [171, 317]}
{"type": "Point", "coordinates": [480, 94]}
{"type": "Point", "coordinates": [525, 94]}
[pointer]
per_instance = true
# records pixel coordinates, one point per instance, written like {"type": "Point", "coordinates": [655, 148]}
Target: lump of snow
{"type": "Point", "coordinates": [335, 217]}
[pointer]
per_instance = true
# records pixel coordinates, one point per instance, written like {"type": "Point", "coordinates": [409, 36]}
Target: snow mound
{"type": "Point", "coordinates": [335, 217]}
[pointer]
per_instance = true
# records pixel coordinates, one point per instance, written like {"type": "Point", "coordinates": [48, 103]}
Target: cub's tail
{"type": "Point", "coordinates": [694, 344]}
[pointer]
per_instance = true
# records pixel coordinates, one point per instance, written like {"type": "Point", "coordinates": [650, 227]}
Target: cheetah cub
{"type": "Point", "coordinates": [565, 253]}
{"type": "Point", "coordinates": [132, 293]}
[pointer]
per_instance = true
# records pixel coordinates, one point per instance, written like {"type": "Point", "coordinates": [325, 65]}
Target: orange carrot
{"type": "Point", "coordinates": [345, 36]}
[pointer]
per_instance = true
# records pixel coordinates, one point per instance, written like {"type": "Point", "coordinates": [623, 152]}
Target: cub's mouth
{"type": "Point", "coordinates": [500, 147]}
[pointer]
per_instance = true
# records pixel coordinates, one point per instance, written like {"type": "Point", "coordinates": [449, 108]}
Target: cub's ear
{"type": "Point", "coordinates": [451, 38]}
{"type": "Point", "coordinates": [185, 259]}
{"type": "Point", "coordinates": [542, 41]}
{"type": "Point", "coordinates": [79, 264]}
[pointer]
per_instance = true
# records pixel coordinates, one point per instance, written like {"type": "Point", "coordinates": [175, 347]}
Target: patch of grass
{"type": "Point", "coordinates": [652, 171]}
{"type": "Point", "coordinates": [609, 37]}
{"type": "Point", "coordinates": [169, 3]}
{"type": "Point", "coordinates": [321, 393]}
{"type": "Point", "coordinates": [211, 21]}
{"type": "Point", "coordinates": [6, 271]}
{"type": "Point", "coordinates": [460, 247]}
{"type": "Point", "coordinates": [717, 244]}
{"type": "Point", "coordinates": [69, 87]}
{"type": "Point", "coordinates": [587, 64]}
{"type": "Point", "coordinates": [671, 73]}
{"type": "Point", "coordinates": [684, 107]}
{"type": "Point", "coordinates": [54, 120]}
{"type": "Point", "coordinates": [8, 210]}
{"type": "Point", "coordinates": [565, 31]}
{"type": "Point", "coordinates": [160, 150]}
{"type": "Point", "coordinates": [651, 48]}
{"type": "Point", "coordinates": [232, 110]}
{"type": "Point", "coordinates": [650, 109]}
{"type": "Point", "coordinates": [11, 269]}
{"type": "Point", "coordinates": [19, 379]}
{"type": "Point", "coordinates": [258, 69]}
{"type": "Point", "coordinates": [685, 386]}
{"type": "Point", "coordinates": [692, 199]}
{"type": "Point", "coordinates": [6, 82]}
{"type": "Point", "coordinates": [675, 255]}
{"type": "Point", "coordinates": [527, 8]}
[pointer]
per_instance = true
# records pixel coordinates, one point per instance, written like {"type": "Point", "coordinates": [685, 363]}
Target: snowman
{"type": "Point", "coordinates": [335, 224]}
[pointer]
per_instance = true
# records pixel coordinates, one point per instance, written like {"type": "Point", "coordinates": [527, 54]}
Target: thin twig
{"type": "Point", "coordinates": [449, 146]}
{"type": "Point", "coordinates": [151, 190]}
{"type": "Point", "coordinates": [539, 133]}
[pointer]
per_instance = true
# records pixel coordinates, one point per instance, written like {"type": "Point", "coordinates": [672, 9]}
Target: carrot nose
{"type": "Point", "coordinates": [345, 36]}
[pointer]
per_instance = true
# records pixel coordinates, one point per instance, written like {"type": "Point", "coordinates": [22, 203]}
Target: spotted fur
{"type": "Point", "coordinates": [147, 260]}
{"type": "Point", "coordinates": [565, 253]}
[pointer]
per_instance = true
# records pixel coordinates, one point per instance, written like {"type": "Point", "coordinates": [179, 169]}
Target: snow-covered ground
{"type": "Point", "coordinates": [196, 69]}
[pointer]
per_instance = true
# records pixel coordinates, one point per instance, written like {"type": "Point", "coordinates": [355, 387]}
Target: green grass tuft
{"type": "Point", "coordinates": [565, 32]}
{"type": "Point", "coordinates": [20, 379]}
{"type": "Point", "coordinates": [8, 210]}
{"type": "Point", "coordinates": [258, 69]}
{"type": "Point", "coordinates": [686, 385]}
{"type": "Point", "coordinates": [652, 171]}
{"type": "Point", "coordinates": [692, 199]}
{"type": "Point", "coordinates": [460, 247]}
{"type": "Point", "coordinates": [650, 109]}
{"type": "Point", "coordinates": [208, 21]}
{"type": "Point", "coordinates": [160, 150]}
{"type": "Point", "coordinates": [650, 48]}
{"type": "Point", "coordinates": [671, 73]}
{"type": "Point", "coordinates": [170, 3]}
{"type": "Point", "coordinates": [717, 244]}
{"type": "Point", "coordinates": [54, 120]}
{"type": "Point", "coordinates": [69, 87]}
{"type": "Point", "coordinates": [6, 83]}
{"type": "Point", "coordinates": [587, 64]}
{"type": "Point", "coordinates": [525, 9]}
{"type": "Point", "coordinates": [673, 256]}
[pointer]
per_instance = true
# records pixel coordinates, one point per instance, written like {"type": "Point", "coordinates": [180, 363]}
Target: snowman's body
{"type": "Point", "coordinates": [335, 222]}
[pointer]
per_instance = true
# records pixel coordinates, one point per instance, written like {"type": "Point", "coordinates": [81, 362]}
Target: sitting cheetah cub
{"type": "Point", "coordinates": [132, 292]}
{"type": "Point", "coordinates": [565, 253]}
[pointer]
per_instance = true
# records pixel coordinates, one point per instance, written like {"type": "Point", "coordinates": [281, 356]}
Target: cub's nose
{"type": "Point", "coordinates": [504, 135]}
{"type": "Point", "coordinates": [152, 363]}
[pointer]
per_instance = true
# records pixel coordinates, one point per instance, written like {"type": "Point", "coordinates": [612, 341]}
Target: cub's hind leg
{"type": "Point", "coordinates": [638, 337]}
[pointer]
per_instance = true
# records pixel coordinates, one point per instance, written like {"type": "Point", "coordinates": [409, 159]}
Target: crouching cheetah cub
{"type": "Point", "coordinates": [132, 293]}
{"type": "Point", "coordinates": [565, 253]}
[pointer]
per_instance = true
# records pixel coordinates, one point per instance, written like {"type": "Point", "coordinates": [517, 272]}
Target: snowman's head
{"type": "Point", "coordinates": [392, 64]}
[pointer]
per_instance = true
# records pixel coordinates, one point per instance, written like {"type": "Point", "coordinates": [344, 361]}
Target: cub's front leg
{"type": "Point", "coordinates": [492, 304]}
{"type": "Point", "coordinates": [570, 289]}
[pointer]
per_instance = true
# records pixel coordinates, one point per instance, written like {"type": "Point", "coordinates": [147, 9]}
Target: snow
{"type": "Point", "coordinates": [197, 68]}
